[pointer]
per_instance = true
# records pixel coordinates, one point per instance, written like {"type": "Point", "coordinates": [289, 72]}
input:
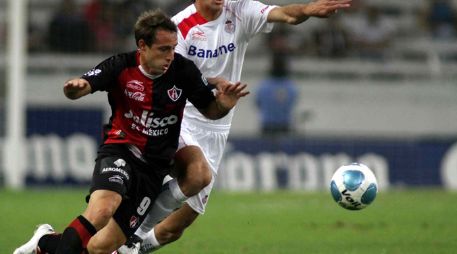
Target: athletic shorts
{"type": "Point", "coordinates": [138, 189]}
{"type": "Point", "coordinates": [212, 144]}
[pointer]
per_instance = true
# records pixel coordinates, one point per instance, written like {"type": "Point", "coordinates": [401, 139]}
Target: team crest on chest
{"type": "Point", "coordinates": [174, 93]}
{"type": "Point", "coordinates": [229, 26]}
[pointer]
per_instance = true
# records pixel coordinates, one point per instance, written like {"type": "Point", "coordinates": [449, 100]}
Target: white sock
{"type": "Point", "coordinates": [167, 201]}
{"type": "Point", "coordinates": [173, 186]}
{"type": "Point", "coordinates": [150, 243]}
{"type": "Point", "coordinates": [142, 234]}
{"type": "Point", "coordinates": [152, 238]}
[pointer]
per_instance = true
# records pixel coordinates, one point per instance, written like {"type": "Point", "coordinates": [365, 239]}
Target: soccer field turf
{"type": "Point", "coordinates": [407, 221]}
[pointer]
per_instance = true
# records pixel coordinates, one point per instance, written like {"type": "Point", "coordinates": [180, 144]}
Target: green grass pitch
{"type": "Point", "coordinates": [403, 222]}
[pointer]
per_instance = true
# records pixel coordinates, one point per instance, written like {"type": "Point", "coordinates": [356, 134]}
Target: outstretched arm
{"type": "Point", "coordinates": [226, 98]}
{"type": "Point", "coordinates": [298, 13]}
{"type": "Point", "coordinates": [76, 88]}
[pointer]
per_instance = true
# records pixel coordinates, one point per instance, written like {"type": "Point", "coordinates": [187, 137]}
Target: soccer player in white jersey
{"type": "Point", "coordinates": [214, 34]}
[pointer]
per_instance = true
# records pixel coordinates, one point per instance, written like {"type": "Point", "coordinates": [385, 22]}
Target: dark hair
{"type": "Point", "coordinates": [149, 22]}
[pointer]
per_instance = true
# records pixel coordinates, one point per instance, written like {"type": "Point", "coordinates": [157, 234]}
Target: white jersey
{"type": "Point", "coordinates": [218, 47]}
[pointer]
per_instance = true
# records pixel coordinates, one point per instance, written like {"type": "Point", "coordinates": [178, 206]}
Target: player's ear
{"type": "Point", "coordinates": [141, 44]}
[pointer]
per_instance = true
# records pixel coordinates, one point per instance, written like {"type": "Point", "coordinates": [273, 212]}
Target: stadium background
{"type": "Point", "coordinates": [393, 110]}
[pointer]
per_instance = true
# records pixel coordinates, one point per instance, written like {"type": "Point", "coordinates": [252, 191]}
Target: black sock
{"type": "Point", "coordinates": [48, 243]}
{"type": "Point", "coordinates": [76, 236]}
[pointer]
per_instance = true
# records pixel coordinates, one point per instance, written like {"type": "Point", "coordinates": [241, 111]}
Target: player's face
{"type": "Point", "coordinates": [213, 5]}
{"type": "Point", "coordinates": [157, 58]}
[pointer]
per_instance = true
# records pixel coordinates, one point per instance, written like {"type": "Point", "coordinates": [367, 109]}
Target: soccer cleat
{"type": "Point", "coordinates": [31, 247]}
{"type": "Point", "coordinates": [132, 246]}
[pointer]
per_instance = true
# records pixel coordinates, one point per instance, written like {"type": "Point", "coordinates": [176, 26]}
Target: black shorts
{"type": "Point", "coordinates": [137, 184]}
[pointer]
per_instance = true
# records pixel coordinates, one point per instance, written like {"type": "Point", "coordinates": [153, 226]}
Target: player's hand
{"type": "Point", "coordinates": [228, 96]}
{"type": "Point", "coordinates": [219, 83]}
{"type": "Point", "coordinates": [325, 8]}
{"type": "Point", "coordinates": [76, 88]}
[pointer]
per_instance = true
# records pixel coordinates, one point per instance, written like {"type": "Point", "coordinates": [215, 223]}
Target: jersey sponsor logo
{"type": "Point", "coordinates": [133, 221]}
{"type": "Point", "coordinates": [116, 179]}
{"type": "Point", "coordinates": [120, 163]}
{"type": "Point", "coordinates": [198, 36]}
{"type": "Point", "coordinates": [137, 96]}
{"type": "Point", "coordinates": [93, 72]}
{"type": "Point", "coordinates": [229, 26]}
{"type": "Point", "coordinates": [117, 133]}
{"type": "Point", "coordinates": [174, 93]}
{"type": "Point", "coordinates": [116, 170]}
{"type": "Point", "coordinates": [154, 133]}
{"type": "Point", "coordinates": [150, 125]}
{"type": "Point", "coordinates": [135, 85]}
{"type": "Point", "coordinates": [148, 120]}
{"type": "Point", "coordinates": [211, 53]}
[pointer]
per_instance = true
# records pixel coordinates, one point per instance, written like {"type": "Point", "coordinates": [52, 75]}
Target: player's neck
{"type": "Point", "coordinates": [208, 13]}
{"type": "Point", "coordinates": [148, 71]}
{"type": "Point", "coordinates": [143, 70]}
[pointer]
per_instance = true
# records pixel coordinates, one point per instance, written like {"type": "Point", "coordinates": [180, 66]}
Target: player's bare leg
{"type": "Point", "coordinates": [167, 231]}
{"type": "Point", "coordinates": [192, 170]}
{"type": "Point", "coordinates": [107, 240]}
{"type": "Point", "coordinates": [171, 229]}
{"type": "Point", "coordinates": [192, 173]}
{"type": "Point", "coordinates": [102, 206]}
{"type": "Point", "coordinates": [82, 230]}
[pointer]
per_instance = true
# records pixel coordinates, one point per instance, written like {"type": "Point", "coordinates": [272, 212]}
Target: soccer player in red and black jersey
{"type": "Point", "coordinates": [147, 91]}
{"type": "Point", "coordinates": [215, 35]}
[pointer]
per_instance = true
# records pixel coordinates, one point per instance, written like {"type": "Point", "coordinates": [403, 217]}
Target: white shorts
{"type": "Point", "coordinates": [212, 144]}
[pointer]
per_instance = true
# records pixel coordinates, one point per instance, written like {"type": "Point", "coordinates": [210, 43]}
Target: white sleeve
{"type": "Point", "coordinates": [254, 16]}
{"type": "Point", "coordinates": [181, 48]}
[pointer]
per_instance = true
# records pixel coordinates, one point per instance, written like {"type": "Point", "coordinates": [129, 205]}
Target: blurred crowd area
{"type": "Point", "coordinates": [370, 29]}
{"type": "Point", "coordinates": [378, 31]}
{"type": "Point", "coordinates": [85, 26]}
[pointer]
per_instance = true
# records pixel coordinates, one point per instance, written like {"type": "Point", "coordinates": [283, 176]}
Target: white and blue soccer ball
{"type": "Point", "coordinates": [354, 186]}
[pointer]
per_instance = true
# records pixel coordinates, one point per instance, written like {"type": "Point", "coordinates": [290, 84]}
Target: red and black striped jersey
{"type": "Point", "coordinates": [146, 111]}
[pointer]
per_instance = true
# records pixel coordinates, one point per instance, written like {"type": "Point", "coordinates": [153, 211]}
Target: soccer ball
{"type": "Point", "coordinates": [354, 186]}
